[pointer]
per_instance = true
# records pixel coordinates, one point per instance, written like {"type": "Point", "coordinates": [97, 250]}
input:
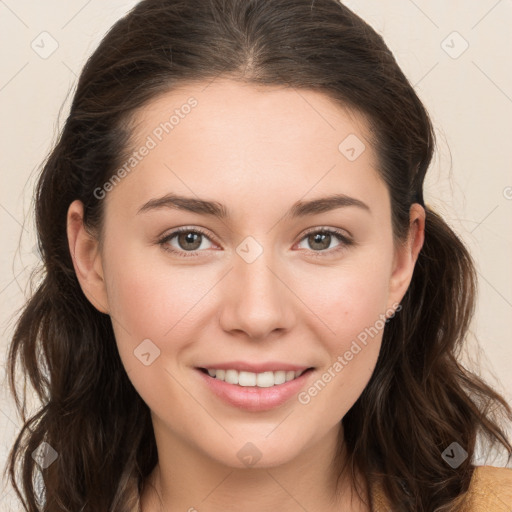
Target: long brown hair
{"type": "Point", "coordinates": [420, 398]}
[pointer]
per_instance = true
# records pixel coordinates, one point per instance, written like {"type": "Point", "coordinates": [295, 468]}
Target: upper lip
{"type": "Point", "coordinates": [242, 366]}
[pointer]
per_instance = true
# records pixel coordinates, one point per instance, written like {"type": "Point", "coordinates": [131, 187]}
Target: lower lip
{"type": "Point", "coordinates": [253, 398]}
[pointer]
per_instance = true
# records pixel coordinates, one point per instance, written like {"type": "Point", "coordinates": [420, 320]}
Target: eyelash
{"type": "Point", "coordinates": [346, 242]}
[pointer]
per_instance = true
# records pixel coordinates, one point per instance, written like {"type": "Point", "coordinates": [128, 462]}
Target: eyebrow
{"type": "Point", "coordinates": [216, 209]}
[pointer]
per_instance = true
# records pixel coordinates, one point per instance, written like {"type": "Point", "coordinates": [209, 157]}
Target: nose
{"type": "Point", "coordinates": [257, 300]}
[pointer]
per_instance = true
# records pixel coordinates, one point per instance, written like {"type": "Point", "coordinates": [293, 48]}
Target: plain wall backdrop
{"type": "Point", "coordinates": [456, 54]}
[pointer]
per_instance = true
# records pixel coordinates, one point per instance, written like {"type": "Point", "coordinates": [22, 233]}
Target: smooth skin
{"type": "Point", "coordinates": [256, 150]}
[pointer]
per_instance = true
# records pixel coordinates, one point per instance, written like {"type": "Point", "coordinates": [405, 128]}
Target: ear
{"type": "Point", "coordinates": [406, 256]}
{"type": "Point", "coordinates": [84, 249]}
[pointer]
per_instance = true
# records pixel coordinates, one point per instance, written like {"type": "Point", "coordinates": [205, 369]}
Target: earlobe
{"type": "Point", "coordinates": [86, 257]}
{"type": "Point", "coordinates": [407, 254]}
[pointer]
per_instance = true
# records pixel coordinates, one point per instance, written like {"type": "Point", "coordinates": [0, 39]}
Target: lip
{"type": "Point", "coordinates": [242, 366]}
{"type": "Point", "coordinates": [253, 398]}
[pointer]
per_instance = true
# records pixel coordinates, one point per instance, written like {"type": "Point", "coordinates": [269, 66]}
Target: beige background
{"type": "Point", "coordinates": [468, 94]}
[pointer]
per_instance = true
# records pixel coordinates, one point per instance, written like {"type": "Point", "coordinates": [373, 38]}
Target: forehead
{"type": "Point", "coordinates": [228, 138]}
{"type": "Point", "coordinates": [226, 106]}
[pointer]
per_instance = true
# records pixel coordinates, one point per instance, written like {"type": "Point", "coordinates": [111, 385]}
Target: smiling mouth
{"type": "Point", "coordinates": [250, 379]}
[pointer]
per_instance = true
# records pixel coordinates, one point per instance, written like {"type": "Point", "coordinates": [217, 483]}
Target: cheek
{"type": "Point", "coordinates": [149, 309]}
{"type": "Point", "coordinates": [351, 308]}
{"type": "Point", "coordinates": [348, 298]}
{"type": "Point", "coordinates": [163, 303]}
{"type": "Point", "coordinates": [150, 303]}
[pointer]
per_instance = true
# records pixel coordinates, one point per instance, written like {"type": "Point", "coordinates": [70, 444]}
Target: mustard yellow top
{"type": "Point", "coordinates": [490, 490]}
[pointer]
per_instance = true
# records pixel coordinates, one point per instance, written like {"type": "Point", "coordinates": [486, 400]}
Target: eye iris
{"type": "Point", "coordinates": [320, 238]}
{"type": "Point", "coordinates": [189, 237]}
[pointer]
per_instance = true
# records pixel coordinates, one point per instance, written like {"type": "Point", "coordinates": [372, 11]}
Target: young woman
{"type": "Point", "coordinates": [247, 304]}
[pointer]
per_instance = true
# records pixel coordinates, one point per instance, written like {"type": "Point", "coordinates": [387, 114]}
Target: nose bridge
{"type": "Point", "coordinates": [257, 302]}
{"type": "Point", "coordinates": [257, 280]}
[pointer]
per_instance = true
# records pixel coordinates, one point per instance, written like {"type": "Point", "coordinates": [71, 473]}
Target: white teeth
{"type": "Point", "coordinates": [290, 375]}
{"type": "Point", "coordinates": [231, 377]}
{"type": "Point", "coordinates": [265, 379]}
{"type": "Point", "coordinates": [279, 377]}
{"type": "Point", "coordinates": [246, 378]}
{"type": "Point", "coordinates": [261, 380]}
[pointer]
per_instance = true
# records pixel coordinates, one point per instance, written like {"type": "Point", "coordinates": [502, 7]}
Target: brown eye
{"type": "Point", "coordinates": [188, 240]}
{"type": "Point", "coordinates": [319, 241]}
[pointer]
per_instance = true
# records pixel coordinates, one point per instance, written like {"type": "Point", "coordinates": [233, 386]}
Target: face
{"type": "Point", "coordinates": [273, 284]}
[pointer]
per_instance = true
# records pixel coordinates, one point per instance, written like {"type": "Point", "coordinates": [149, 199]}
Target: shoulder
{"type": "Point", "coordinates": [490, 489]}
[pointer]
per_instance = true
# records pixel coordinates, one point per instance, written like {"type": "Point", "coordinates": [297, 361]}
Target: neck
{"type": "Point", "coordinates": [186, 480]}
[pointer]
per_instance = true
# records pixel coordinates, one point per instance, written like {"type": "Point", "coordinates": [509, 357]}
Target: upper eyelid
{"type": "Point", "coordinates": [326, 228]}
